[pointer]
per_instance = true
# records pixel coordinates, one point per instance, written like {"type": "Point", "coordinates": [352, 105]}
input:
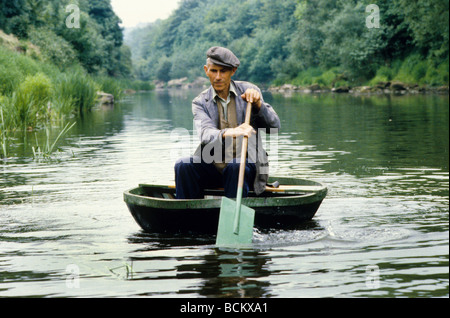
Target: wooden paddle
{"type": "Point", "coordinates": [236, 220]}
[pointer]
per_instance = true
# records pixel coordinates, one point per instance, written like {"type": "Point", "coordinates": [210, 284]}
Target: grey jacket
{"type": "Point", "coordinates": [206, 120]}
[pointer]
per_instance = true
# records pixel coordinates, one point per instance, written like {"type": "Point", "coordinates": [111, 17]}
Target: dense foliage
{"type": "Point", "coordinates": [300, 41]}
{"type": "Point", "coordinates": [52, 67]}
{"type": "Point", "coordinates": [97, 45]}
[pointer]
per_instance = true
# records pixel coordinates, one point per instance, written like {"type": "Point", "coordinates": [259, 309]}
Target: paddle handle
{"type": "Point", "coordinates": [242, 171]}
{"type": "Point", "coordinates": [244, 148]}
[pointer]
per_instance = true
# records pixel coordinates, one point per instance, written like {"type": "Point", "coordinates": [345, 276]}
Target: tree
{"type": "Point", "coordinates": [428, 23]}
{"type": "Point", "coordinates": [97, 43]}
{"type": "Point", "coordinates": [163, 69]}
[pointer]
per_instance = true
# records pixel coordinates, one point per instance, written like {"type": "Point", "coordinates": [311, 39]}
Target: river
{"type": "Point", "coordinates": [382, 230]}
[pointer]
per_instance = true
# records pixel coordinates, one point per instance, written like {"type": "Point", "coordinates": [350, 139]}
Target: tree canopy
{"type": "Point", "coordinates": [97, 44]}
{"type": "Point", "coordinates": [277, 41]}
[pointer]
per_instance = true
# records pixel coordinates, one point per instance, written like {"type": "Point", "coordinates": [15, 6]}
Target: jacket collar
{"type": "Point", "coordinates": [212, 106]}
{"type": "Point", "coordinates": [211, 93]}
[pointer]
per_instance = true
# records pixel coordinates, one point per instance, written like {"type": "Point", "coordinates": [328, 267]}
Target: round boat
{"type": "Point", "coordinates": [156, 210]}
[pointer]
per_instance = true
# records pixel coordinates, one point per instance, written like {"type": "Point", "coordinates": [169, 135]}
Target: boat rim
{"type": "Point", "coordinates": [207, 203]}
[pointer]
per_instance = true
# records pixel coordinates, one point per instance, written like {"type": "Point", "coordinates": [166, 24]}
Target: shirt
{"type": "Point", "coordinates": [225, 102]}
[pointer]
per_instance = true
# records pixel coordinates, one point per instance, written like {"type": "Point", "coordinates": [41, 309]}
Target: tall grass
{"type": "Point", "coordinates": [4, 135]}
{"type": "Point", "coordinates": [34, 94]}
{"type": "Point", "coordinates": [136, 85]}
{"type": "Point", "coordinates": [27, 107]}
{"type": "Point", "coordinates": [111, 86]}
{"type": "Point", "coordinates": [78, 89]}
{"type": "Point", "coordinates": [117, 86]}
{"type": "Point", "coordinates": [413, 69]}
{"type": "Point", "coordinates": [45, 151]}
{"type": "Point", "coordinates": [31, 101]}
{"type": "Point", "coordinates": [333, 77]}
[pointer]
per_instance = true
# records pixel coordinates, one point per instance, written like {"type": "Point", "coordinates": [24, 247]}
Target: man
{"type": "Point", "coordinates": [219, 116]}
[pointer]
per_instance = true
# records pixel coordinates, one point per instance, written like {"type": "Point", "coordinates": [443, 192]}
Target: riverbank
{"type": "Point", "coordinates": [388, 87]}
{"type": "Point", "coordinates": [380, 88]}
{"type": "Point", "coordinates": [36, 94]}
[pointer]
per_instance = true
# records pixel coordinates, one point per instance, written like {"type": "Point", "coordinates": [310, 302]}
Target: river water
{"type": "Point", "coordinates": [382, 231]}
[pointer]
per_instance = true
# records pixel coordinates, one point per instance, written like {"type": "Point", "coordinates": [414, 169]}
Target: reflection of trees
{"type": "Point", "coordinates": [384, 130]}
{"type": "Point", "coordinates": [174, 106]}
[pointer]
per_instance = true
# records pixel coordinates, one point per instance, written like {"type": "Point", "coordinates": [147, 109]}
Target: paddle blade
{"type": "Point", "coordinates": [226, 233]}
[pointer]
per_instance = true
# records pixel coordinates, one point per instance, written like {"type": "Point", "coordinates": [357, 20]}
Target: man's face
{"type": "Point", "coordinates": [219, 76]}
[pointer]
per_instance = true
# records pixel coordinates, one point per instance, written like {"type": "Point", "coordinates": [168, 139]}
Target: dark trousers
{"type": "Point", "coordinates": [192, 178]}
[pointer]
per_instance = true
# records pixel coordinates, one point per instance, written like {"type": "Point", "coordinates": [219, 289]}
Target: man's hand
{"type": "Point", "coordinates": [243, 130]}
{"type": "Point", "coordinates": [253, 96]}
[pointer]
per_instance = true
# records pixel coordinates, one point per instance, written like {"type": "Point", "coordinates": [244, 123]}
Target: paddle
{"type": "Point", "coordinates": [236, 220]}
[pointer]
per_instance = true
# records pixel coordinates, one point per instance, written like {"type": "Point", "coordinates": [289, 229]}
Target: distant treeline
{"type": "Point", "coordinates": [300, 41]}
{"type": "Point", "coordinates": [96, 43]}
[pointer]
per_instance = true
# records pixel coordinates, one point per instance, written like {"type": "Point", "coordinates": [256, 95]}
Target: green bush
{"type": "Point", "coordinates": [416, 70]}
{"type": "Point", "coordinates": [437, 75]}
{"type": "Point", "coordinates": [328, 78]}
{"type": "Point", "coordinates": [307, 77]}
{"type": "Point", "coordinates": [384, 74]}
{"type": "Point", "coordinates": [24, 64]}
{"type": "Point", "coordinates": [54, 48]}
{"type": "Point", "coordinates": [10, 77]}
{"type": "Point", "coordinates": [15, 67]}
{"type": "Point", "coordinates": [31, 100]}
{"type": "Point", "coordinates": [412, 70]}
{"type": "Point", "coordinates": [377, 79]}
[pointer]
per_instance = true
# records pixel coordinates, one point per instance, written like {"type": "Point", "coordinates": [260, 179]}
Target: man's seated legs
{"type": "Point", "coordinates": [231, 177]}
{"type": "Point", "coordinates": [193, 175]}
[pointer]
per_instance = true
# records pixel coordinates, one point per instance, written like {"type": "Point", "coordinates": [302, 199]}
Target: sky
{"type": "Point", "coordinates": [134, 12]}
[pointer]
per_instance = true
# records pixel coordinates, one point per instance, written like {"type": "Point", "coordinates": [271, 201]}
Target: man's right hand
{"type": "Point", "coordinates": [242, 130]}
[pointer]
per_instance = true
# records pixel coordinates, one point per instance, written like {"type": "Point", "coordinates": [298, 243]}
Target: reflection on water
{"type": "Point", "coordinates": [384, 159]}
{"type": "Point", "coordinates": [222, 273]}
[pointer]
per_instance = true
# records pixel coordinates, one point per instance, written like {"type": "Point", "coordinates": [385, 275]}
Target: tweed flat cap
{"type": "Point", "coordinates": [223, 56]}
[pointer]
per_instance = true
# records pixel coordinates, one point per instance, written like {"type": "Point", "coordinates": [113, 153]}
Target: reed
{"type": "Point", "coordinates": [111, 86]}
{"type": "Point", "coordinates": [62, 106]}
{"type": "Point", "coordinates": [35, 94]}
{"type": "Point", "coordinates": [136, 85]}
{"type": "Point", "coordinates": [128, 274]}
{"type": "Point", "coordinates": [4, 138]}
{"type": "Point", "coordinates": [31, 101]}
{"type": "Point", "coordinates": [77, 88]}
{"type": "Point", "coordinates": [45, 151]}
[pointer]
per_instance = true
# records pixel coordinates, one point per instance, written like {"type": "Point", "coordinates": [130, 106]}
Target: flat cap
{"type": "Point", "coordinates": [223, 56]}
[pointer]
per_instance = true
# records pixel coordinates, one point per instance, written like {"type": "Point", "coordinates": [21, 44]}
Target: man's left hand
{"type": "Point", "coordinates": [253, 96]}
